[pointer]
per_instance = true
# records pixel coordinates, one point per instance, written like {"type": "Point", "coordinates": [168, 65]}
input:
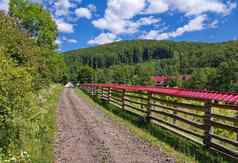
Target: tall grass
{"type": "Point", "coordinates": [38, 130]}
{"type": "Point", "coordinates": [40, 142]}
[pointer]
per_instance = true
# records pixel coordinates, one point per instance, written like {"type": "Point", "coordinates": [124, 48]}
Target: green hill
{"type": "Point", "coordinates": [130, 52]}
{"type": "Point", "coordinates": [206, 62]}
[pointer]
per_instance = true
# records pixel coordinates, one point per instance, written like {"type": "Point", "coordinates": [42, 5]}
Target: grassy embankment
{"type": "Point", "coordinates": [38, 134]}
{"type": "Point", "coordinates": [41, 145]}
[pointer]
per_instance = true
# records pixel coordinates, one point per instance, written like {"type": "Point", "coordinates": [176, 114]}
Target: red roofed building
{"type": "Point", "coordinates": [162, 80]}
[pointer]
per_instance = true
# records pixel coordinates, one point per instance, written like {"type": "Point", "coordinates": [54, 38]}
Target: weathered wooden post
{"type": "Point", "coordinates": [141, 101]}
{"type": "Point", "coordinates": [148, 107]}
{"type": "Point", "coordinates": [96, 89]}
{"type": "Point", "coordinates": [175, 113]}
{"type": "Point", "coordinates": [102, 92]}
{"type": "Point", "coordinates": [123, 98]}
{"type": "Point", "coordinates": [236, 124]}
{"type": "Point", "coordinates": [98, 92]}
{"type": "Point", "coordinates": [109, 95]}
{"type": "Point", "coordinates": [91, 90]}
{"type": "Point", "coordinates": [207, 123]}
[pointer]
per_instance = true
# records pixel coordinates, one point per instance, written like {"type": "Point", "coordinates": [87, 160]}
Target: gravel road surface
{"type": "Point", "coordinates": [87, 135]}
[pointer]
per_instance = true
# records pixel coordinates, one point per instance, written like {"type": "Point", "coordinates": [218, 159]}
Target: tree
{"type": "Point", "coordinates": [27, 64]}
{"type": "Point", "coordinates": [228, 75]}
{"type": "Point", "coordinates": [15, 89]}
{"type": "Point", "coordinates": [57, 68]}
{"type": "Point", "coordinates": [36, 21]}
{"type": "Point", "coordinates": [86, 75]}
{"type": "Point", "coordinates": [203, 78]}
{"type": "Point", "coordinates": [143, 74]}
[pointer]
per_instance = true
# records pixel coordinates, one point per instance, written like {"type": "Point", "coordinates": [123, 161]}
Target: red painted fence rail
{"type": "Point", "coordinates": [226, 97]}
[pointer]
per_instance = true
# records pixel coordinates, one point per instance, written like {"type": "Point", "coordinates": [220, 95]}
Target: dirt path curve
{"type": "Point", "coordinates": [86, 135]}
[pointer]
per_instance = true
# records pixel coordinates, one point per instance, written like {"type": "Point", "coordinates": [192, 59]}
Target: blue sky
{"type": "Point", "coordinates": [85, 23]}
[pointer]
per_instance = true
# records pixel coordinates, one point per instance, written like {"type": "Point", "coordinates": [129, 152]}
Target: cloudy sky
{"type": "Point", "coordinates": [84, 23]}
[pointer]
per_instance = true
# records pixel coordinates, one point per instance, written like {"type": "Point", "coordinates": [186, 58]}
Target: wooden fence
{"type": "Point", "coordinates": [213, 124]}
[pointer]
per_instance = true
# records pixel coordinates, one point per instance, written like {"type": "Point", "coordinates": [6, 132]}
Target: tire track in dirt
{"type": "Point", "coordinates": [76, 141]}
{"type": "Point", "coordinates": [100, 152]}
{"type": "Point", "coordinates": [87, 135]}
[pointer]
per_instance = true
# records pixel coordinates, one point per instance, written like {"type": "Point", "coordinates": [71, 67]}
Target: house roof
{"type": "Point", "coordinates": [160, 79]}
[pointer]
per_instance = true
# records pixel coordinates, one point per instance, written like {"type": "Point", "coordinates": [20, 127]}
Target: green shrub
{"type": "Point", "coordinates": [15, 88]}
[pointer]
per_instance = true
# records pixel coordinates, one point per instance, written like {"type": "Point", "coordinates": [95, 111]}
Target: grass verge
{"type": "Point", "coordinates": [39, 137]}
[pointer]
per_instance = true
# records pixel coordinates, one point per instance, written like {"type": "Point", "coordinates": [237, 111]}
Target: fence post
{"type": "Point", "coordinates": [91, 88]}
{"type": "Point", "coordinates": [148, 107]}
{"type": "Point", "coordinates": [123, 99]}
{"type": "Point", "coordinates": [98, 92]}
{"type": "Point", "coordinates": [207, 123]}
{"type": "Point", "coordinates": [96, 89]}
{"type": "Point", "coordinates": [102, 94]}
{"type": "Point", "coordinates": [236, 124]}
{"type": "Point", "coordinates": [108, 94]}
{"type": "Point", "coordinates": [175, 113]}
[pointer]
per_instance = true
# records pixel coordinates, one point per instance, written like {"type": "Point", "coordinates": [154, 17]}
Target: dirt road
{"type": "Point", "coordinates": [87, 135]}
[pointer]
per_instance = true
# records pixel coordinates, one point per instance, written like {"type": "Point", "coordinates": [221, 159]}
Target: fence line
{"type": "Point", "coordinates": [212, 123]}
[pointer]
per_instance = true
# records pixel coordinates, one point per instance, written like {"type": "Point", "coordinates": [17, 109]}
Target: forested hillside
{"type": "Point", "coordinates": [213, 65]}
{"type": "Point", "coordinates": [126, 52]}
{"type": "Point", "coordinates": [29, 64]}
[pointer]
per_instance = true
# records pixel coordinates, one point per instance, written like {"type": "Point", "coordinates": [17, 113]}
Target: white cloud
{"type": "Point", "coordinates": [147, 21]}
{"type": "Point", "coordinates": [118, 14]}
{"type": "Point", "coordinates": [230, 6]}
{"type": "Point", "coordinates": [151, 35]}
{"type": "Point", "coordinates": [190, 7]}
{"type": "Point", "coordinates": [159, 6]}
{"type": "Point", "coordinates": [92, 7]}
{"type": "Point", "coordinates": [213, 24]}
{"type": "Point", "coordinates": [58, 41]}
{"type": "Point", "coordinates": [133, 26]}
{"type": "Point", "coordinates": [62, 7]}
{"type": "Point", "coordinates": [70, 40]}
{"type": "Point", "coordinates": [4, 5]}
{"type": "Point", "coordinates": [195, 7]}
{"type": "Point", "coordinates": [64, 26]}
{"type": "Point", "coordinates": [125, 9]}
{"type": "Point", "coordinates": [118, 17]}
{"type": "Point", "coordinates": [196, 24]}
{"type": "Point", "coordinates": [83, 12]}
{"type": "Point", "coordinates": [37, 1]}
{"type": "Point", "coordinates": [103, 38]}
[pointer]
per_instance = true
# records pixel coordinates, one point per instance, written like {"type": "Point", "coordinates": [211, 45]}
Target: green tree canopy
{"type": "Point", "coordinates": [36, 21]}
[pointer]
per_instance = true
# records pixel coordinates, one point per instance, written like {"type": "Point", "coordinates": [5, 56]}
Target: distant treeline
{"type": "Point", "coordinates": [212, 65]}
{"type": "Point", "coordinates": [126, 52]}
{"type": "Point", "coordinates": [130, 52]}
